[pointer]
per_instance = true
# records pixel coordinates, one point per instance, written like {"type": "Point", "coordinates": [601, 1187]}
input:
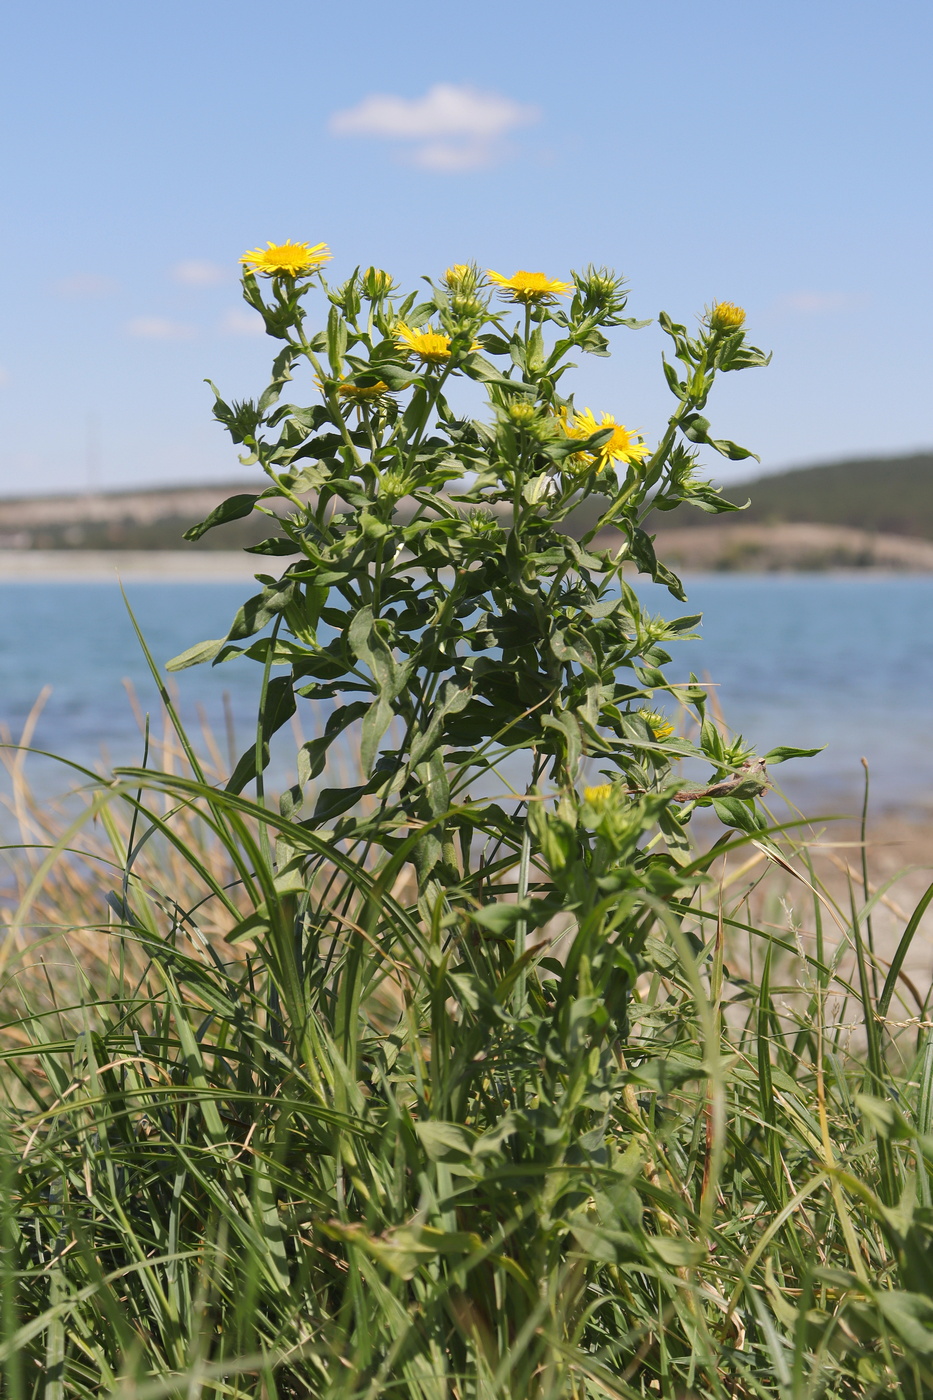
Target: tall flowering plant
{"type": "Point", "coordinates": [501, 676]}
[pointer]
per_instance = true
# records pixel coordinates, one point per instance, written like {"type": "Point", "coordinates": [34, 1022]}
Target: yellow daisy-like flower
{"type": "Point", "coordinates": [726, 316]}
{"type": "Point", "coordinates": [530, 288]}
{"type": "Point", "coordinates": [598, 796]}
{"type": "Point", "coordinates": [431, 346]}
{"type": "Point", "coordinates": [623, 446]}
{"type": "Point", "coordinates": [362, 393]}
{"type": "Point", "coordinates": [659, 724]}
{"type": "Point", "coordinates": [287, 259]}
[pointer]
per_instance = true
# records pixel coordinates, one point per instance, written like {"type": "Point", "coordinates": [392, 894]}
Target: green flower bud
{"type": "Point", "coordinates": [377, 284]}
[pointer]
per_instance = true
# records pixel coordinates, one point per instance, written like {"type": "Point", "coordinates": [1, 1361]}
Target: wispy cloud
{"type": "Point", "coordinates": [159, 328]}
{"type": "Point", "coordinates": [198, 272]}
{"type": "Point", "coordinates": [817, 303]}
{"type": "Point", "coordinates": [240, 321]}
{"type": "Point", "coordinates": [451, 128]}
{"type": "Point", "coordinates": [85, 286]}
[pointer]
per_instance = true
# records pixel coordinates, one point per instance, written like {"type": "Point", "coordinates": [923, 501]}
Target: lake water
{"type": "Point", "coordinates": [845, 661]}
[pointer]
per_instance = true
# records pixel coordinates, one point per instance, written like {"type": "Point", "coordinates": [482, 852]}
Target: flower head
{"type": "Point", "coordinates": [523, 414]}
{"type": "Point", "coordinates": [287, 259]}
{"type": "Point", "coordinates": [430, 346]}
{"type": "Point", "coordinates": [600, 288]}
{"type": "Point", "coordinates": [726, 316]}
{"type": "Point", "coordinates": [462, 277]}
{"type": "Point", "coordinates": [659, 724]}
{"type": "Point", "coordinates": [598, 796]}
{"type": "Point", "coordinates": [362, 393]}
{"type": "Point", "coordinates": [483, 522]}
{"type": "Point", "coordinates": [624, 445]}
{"type": "Point", "coordinates": [530, 288]}
{"type": "Point", "coordinates": [394, 483]}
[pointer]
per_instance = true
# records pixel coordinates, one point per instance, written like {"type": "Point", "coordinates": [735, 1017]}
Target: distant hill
{"type": "Point", "coordinates": [881, 495]}
{"type": "Point", "coordinates": [149, 518]}
{"type": "Point", "coordinates": [890, 495]}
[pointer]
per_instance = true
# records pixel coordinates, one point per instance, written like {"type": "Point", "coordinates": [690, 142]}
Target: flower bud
{"type": "Point", "coordinates": [467, 307]}
{"type": "Point", "coordinates": [462, 277]}
{"type": "Point", "coordinates": [394, 483]}
{"type": "Point", "coordinates": [522, 414]}
{"type": "Point", "coordinates": [377, 284]}
{"type": "Point", "coordinates": [726, 316]}
{"type": "Point", "coordinates": [659, 725]}
{"type": "Point", "coordinates": [600, 289]}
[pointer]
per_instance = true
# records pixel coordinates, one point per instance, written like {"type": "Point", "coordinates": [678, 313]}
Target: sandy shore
{"type": "Point", "coordinates": [731, 545]}
{"type": "Point", "coordinates": [112, 565]}
{"type": "Point", "coordinates": [900, 869]}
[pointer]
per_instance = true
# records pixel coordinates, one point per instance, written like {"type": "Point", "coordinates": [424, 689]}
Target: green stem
{"type": "Point", "coordinates": [524, 870]}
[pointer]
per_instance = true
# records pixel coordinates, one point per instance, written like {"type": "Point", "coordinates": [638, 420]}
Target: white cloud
{"type": "Point", "coordinates": [198, 272]}
{"type": "Point", "coordinates": [817, 303]}
{"type": "Point", "coordinates": [450, 156]}
{"type": "Point", "coordinates": [239, 321]}
{"type": "Point", "coordinates": [455, 128]}
{"type": "Point", "coordinates": [85, 285]}
{"type": "Point", "coordinates": [159, 328]}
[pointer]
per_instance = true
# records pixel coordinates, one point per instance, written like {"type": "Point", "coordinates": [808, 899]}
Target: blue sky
{"type": "Point", "coordinates": [772, 154]}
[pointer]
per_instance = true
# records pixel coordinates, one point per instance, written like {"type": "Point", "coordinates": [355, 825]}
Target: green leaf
{"type": "Point", "coordinates": [678, 1252]}
{"type": "Point", "coordinates": [277, 545]}
{"type": "Point", "coordinates": [441, 1140]}
{"type": "Point", "coordinates": [234, 508]}
{"type": "Point", "coordinates": [257, 612]}
{"type": "Point", "coordinates": [367, 642]}
{"type": "Point", "coordinates": [732, 811]}
{"type": "Point", "coordinates": [312, 756]}
{"type": "Point", "coordinates": [782, 754]}
{"type": "Point", "coordinates": [278, 709]}
{"type": "Point", "coordinates": [196, 655]}
{"type": "Point", "coordinates": [453, 699]}
{"type": "Point", "coordinates": [333, 802]}
{"type": "Point", "coordinates": [911, 1316]}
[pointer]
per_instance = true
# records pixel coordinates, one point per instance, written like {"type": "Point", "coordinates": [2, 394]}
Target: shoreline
{"type": "Point", "coordinates": [694, 552]}
{"type": "Point", "coordinates": [140, 566]}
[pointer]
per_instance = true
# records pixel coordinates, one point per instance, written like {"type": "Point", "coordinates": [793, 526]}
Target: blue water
{"type": "Point", "coordinates": [845, 661]}
{"type": "Point", "coordinates": [840, 660]}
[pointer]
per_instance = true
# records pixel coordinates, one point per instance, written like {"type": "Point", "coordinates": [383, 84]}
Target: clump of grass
{"type": "Point", "coordinates": [460, 1084]}
{"type": "Point", "coordinates": [303, 1137]}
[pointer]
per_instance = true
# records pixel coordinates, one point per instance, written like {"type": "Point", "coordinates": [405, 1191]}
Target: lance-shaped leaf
{"type": "Point", "coordinates": [234, 508]}
{"type": "Point", "coordinates": [277, 710]}
{"type": "Point", "coordinates": [453, 698]}
{"type": "Point", "coordinates": [388, 674]}
{"type": "Point", "coordinates": [257, 612]}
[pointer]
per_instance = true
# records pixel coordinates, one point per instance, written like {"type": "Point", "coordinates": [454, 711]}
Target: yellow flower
{"type": "Point", "coordinates": [287, 259]}
{"type": "Point", "coordinates": [530, 288]}
{"type": "Point", "coordinates": [623, 446]}
{"type": "Point", "coordinates": [659, 724]}
{"type": "Point", "coordinates": [598, 796]}
{"type": "Point", "coordinates": [430, 346]}
{"type": "Point", "coordinates": [726, 316]}
{"type": "Point", "coordinates": [362, 393]}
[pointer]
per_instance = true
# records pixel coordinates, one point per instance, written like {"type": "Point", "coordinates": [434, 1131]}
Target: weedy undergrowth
{"type": "Point", "coordinates": [446, 1083]}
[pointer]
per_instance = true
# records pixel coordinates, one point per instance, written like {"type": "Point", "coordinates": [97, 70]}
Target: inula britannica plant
{"type": "Point", "coordinates": [437, 601]}
{"type": "Point", "coordinates": [439, 1076]}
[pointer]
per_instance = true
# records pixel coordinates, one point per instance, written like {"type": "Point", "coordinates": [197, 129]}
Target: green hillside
{"type": "Point", "coordinates": [891, 495]}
